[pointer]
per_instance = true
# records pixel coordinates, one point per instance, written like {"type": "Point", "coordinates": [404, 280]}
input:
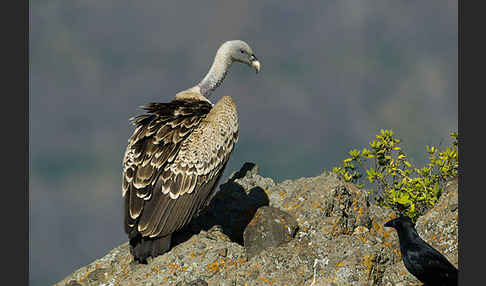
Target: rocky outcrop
{"type": "Point", "coordinates": [309, 231]}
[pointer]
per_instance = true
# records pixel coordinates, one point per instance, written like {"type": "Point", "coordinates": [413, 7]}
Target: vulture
{"type": "Point", "coordinates": [177, 154]}
{"type": "Point", "coordinates": [423, 261]}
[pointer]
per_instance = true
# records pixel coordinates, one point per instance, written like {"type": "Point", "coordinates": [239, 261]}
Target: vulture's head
{"type": "Point", "coordinates": [240, 51]}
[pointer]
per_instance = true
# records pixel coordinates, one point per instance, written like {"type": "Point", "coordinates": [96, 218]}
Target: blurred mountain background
{"type": "Point", "coordinates": [333, 74]}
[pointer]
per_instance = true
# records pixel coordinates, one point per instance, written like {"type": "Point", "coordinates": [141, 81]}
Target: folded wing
{"type": "Point", "coordinates": [173, 160]}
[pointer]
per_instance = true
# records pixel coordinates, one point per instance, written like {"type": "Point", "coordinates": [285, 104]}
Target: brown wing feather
{"type": "Point", "coordinates": [169, 172]}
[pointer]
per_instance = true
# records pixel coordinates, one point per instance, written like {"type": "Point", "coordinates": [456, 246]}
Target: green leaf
{"type": "Point", "coordinates": [403, 199]}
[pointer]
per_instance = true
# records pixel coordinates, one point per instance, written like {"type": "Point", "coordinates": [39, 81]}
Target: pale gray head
{"type": "Point", "coordinates": [228, 52]}
{"type": "Point", "coordinates": [240, 51]}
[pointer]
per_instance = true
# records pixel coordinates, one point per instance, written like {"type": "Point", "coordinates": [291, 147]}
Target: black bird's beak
{"type": "Point", "coordinates": [390, 223]}
{"type": "Point", "coordinates": [255, 63]}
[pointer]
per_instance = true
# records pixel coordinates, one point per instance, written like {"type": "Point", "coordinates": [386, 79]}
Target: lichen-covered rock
{"type": "Point", "coordinates": [350, 205]}
{"type": "Point", "coordinates": [442, 217]}
{"type": "Point", "coordinates": [270, 227]}
{"type": "Point", "coordinates": [340, 240]}
{"type": "Point", "coordinates": [198, 282]}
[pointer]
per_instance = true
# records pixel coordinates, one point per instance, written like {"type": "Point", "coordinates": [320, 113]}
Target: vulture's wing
{"type": "Point", "coordinates": [175, 156]}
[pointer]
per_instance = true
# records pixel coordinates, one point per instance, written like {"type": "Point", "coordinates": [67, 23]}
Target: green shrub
{"type": "Point", "coordinates": [406, 189]}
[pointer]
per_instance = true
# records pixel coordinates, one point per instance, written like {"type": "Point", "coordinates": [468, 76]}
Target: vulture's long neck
{"type": "Point", "coordinates": [217, 72]}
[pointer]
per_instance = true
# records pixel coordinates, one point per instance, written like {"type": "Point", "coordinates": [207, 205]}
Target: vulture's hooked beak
{"type": "Point", "coordinates": [255, 63]}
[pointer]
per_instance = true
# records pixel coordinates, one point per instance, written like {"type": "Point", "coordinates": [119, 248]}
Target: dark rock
{"type": "Point", "coordinates": [269, 227]}
{"type": "Point", "coordinates": [235, 204]}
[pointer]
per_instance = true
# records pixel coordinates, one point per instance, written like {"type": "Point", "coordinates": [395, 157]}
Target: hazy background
{"type": "Point", "coordinates": [333, 74]}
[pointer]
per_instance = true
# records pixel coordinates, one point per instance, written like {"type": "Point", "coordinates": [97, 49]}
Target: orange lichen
{"type": "Point", "coordinates": [173, 268]}
{"type": "Point", "coordinates": [387, 244]}
{"type": "Point", "coordinates": [155, 268]}
{"type": "Point", "coordinates": [377, 227]}
{"type": "Point", "coordinates": [222, 264]}
{"type": "Point", "coordinates": [268, 281]}
{"type": "Point", "coordinates": [360, 211]}
{"type": "Point", "coordinates": [387, 234]}
{"type": "Point", "coordinates": [296, 206]}
{"type": "Point", "coordinates": [396, 251]}
{"type": "Point", "coordinates": [368, 262]}
{"type": "Point", "coordinates": [213, 266]}
{"type": "Point", "coordinates": [231, 262]}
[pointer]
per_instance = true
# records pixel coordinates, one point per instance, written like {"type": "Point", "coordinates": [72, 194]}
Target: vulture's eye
{"type": "Point", "coordinates": [242, 51]}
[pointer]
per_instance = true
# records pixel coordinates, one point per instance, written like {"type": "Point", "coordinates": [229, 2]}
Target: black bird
{"type": "Point", "coordinates": [426, 263]}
